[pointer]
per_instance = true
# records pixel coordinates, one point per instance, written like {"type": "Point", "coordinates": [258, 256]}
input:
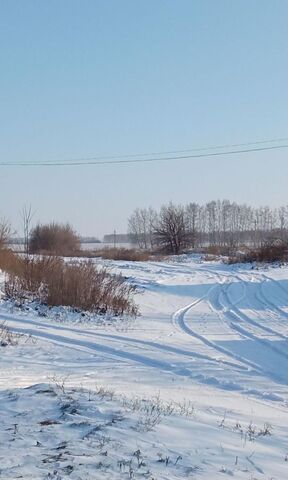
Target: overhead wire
{"type": "Point", "coordinates": [140, 158]}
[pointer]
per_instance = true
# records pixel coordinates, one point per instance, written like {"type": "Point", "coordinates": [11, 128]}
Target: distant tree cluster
{"type": "Point", "coordinates": [218, 223]}
{"type": "Point", "coordinates": [141, 227]}
{"type": "Point", "coordinates": [116, 238]}
{"type": "Point", "coordinates": [54, 238]}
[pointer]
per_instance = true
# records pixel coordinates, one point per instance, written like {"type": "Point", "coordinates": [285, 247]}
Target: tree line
{"type": "Point", "coordinates": [220, 223]}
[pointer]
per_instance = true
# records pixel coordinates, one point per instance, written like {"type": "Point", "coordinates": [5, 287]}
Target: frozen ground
{"type": "Point", "coordinates": [197, 384]}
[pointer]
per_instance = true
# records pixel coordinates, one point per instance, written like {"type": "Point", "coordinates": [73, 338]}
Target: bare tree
{"type": "Point", "coordinates": [192, 215]}
{"type": "Point", "coordinates": [141, 227]}
{"type": "Point", "coordinates": [26, 216]}
{"type": "Point", "coordinates": [5, 231]}
{"type": "Point", "coordinates": [171, 230]}
{"type": "Point", "coordinates": [136, 228]}
{"type": "Point", "coordinates": [282, 214]}
{"type": "Point", "coordinates": [211, 221]}
{"type": "Point", "coordinates": [217, 223]}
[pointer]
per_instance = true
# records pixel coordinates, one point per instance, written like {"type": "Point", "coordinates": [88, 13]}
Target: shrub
{"type": "Point", "coordinates": [54, 238]}
{"type": "Point", "coordinates": [8, 260]}
{"type": "Point", "coordinates": [270, 252]}
{"type": "Point", "coordinates": [126, 254]}
{"type": "Point", "coordinates": [219, 250]}
{"type": "Point", "coordinates": [123, 254]}
{"type": "Point", "coordinates": [79, 284]}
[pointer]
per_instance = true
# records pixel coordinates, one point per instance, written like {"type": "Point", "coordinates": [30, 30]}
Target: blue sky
{"type": "Point", "coordinates": [95, 77]}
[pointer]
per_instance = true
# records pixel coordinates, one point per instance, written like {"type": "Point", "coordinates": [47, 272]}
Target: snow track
{"type": "Point", "coordinates": [211, 339]}
{"type": "Point", "coordinates": [269, 343]}
{"type": "Point", "coordinates": [227, 332]}
{"type": "Point", "coordinates": [179, 320]}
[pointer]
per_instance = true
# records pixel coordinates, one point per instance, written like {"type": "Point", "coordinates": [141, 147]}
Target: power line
{"type": "Point", "coordinates": [94, 161]}
{"type": "Point", "coordinates": [170, 152]}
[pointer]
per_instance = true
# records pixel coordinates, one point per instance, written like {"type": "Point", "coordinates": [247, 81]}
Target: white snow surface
{"type": "Point", "coordinates": [195, 387]}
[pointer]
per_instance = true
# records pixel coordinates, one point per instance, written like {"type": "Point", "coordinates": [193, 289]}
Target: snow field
{"type": "Point", "coordinates": [211, 339]}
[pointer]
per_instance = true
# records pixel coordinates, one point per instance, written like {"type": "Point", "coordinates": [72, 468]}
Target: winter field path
{"type": "Point", "coordinates": [211, 335]}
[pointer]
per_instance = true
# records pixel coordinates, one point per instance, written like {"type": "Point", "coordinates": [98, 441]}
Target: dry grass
{"type": "Point", "coordinates": [81, 285]}
{"type": "Point", "coordinates": [268, 253]}
{"type": "Point", "coordinates": [8, 260]}
{"type": "Point", "coordinates": [129, 254]}
{"type": "Point", "coordinates": [7, 337]}
{"type": "Point", "coordinates": [125, 254]}
{"type": "Point", "coordinates": [219, 250]}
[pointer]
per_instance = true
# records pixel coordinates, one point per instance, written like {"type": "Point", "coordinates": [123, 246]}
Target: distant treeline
{"type": "Point", "coordinates": [89, 240]}
{"type": "Point", "coordinates": [218, 223]}
{"type": "Point", "coordinates": [117, 238]}
{"type": "Point", "coordinates": [21, 240]}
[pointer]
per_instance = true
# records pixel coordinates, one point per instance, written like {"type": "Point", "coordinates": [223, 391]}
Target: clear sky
{"type": "Point", "coordinates": [83, 78]}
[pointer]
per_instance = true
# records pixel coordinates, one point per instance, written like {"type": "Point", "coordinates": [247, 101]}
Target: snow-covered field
{"type": "Point", "coordinates": [195, 387]}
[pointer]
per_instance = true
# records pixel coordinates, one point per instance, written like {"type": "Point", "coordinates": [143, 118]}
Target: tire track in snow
{"type": "Point", "coordinates": [234, 314]}
{"type": "Point", "coordinates": [141, 344]}
{"type": "Point", "coordinates": [269, 302]}
{"type": "Point", "coordinates": [233, 310]}
{"type": "Point", "coordinates": [230, 308]}
{"type": "Point", "coordinates": [264, 301]}
{"type": "Point", "coordinates": [179, 320]}
{"type": "Point", "coordinates": [148, 362]}
{"type": "Point", "coordinates": [159, 365]}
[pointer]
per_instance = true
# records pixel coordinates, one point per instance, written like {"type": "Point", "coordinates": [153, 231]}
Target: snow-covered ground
{"type": "Point", "coordinates": [196, 387]}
